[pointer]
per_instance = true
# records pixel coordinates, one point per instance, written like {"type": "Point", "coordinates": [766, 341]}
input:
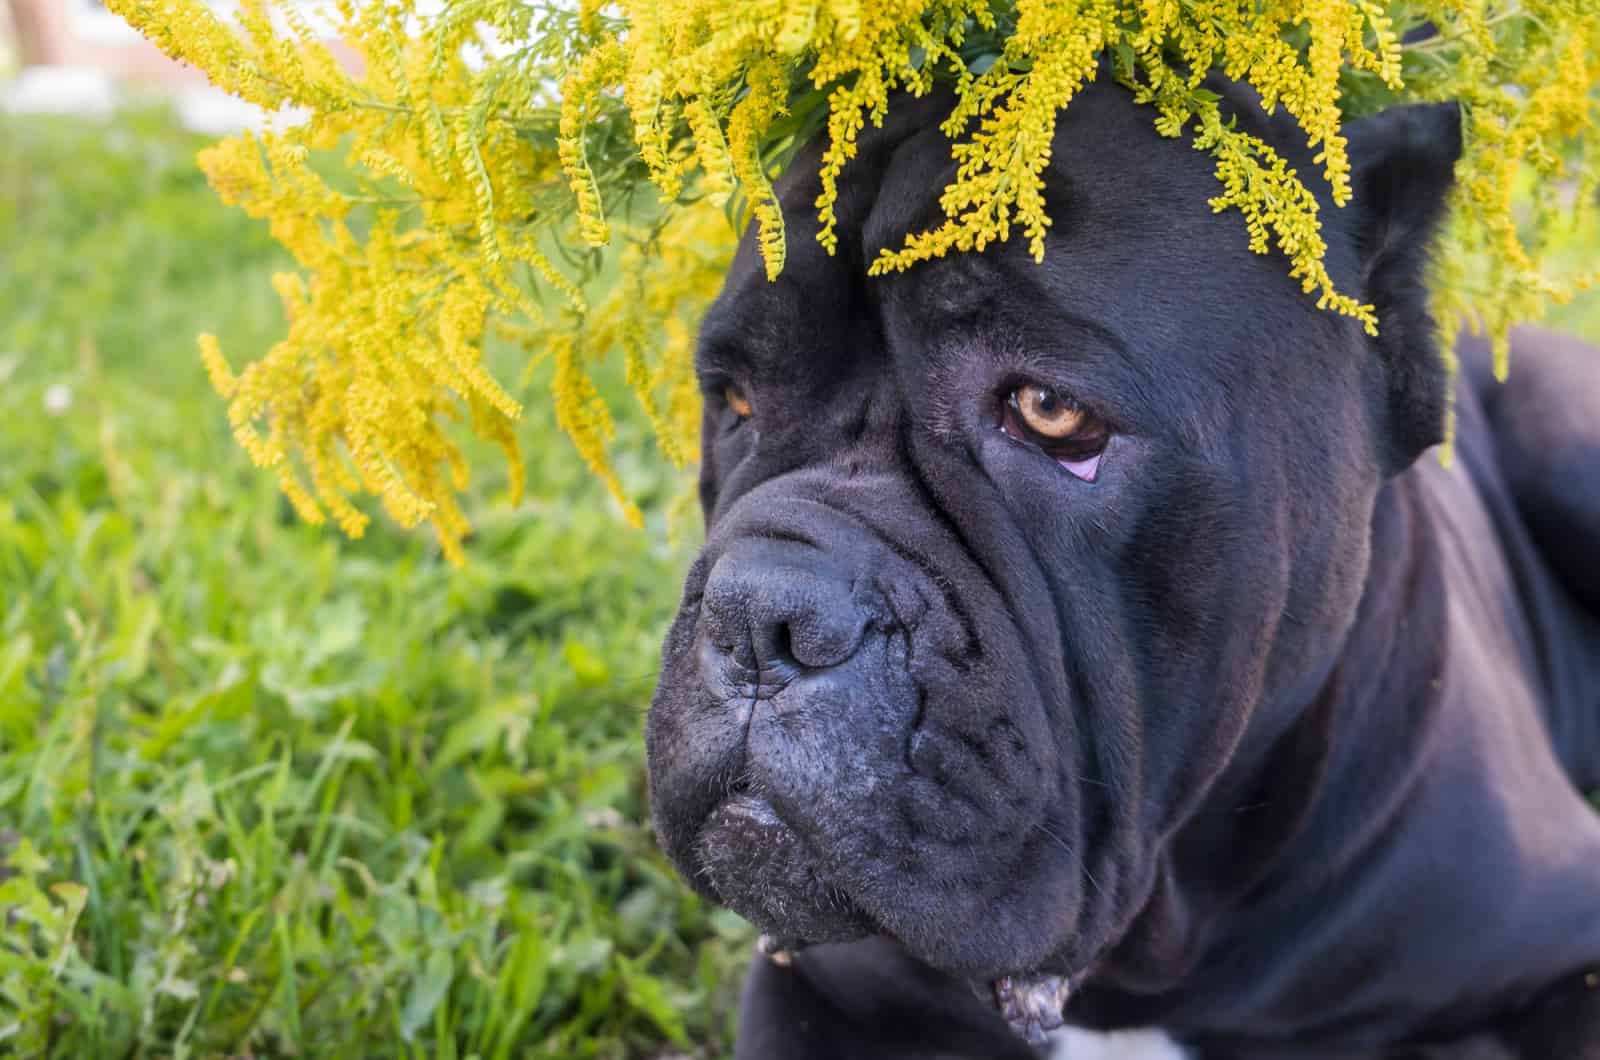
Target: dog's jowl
{"type": "Point", "coordinates": [1102, 640]}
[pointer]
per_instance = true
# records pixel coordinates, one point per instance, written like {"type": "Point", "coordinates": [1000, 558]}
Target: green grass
{"type": "Point", "coordinates": [264, 791]}
{"type": "Point", "coordinates": [268, 792]}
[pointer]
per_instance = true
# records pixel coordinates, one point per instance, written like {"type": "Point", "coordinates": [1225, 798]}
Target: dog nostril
{"type": "Point", "coordinates": [773, 649]}
{"type": "Point", "coordinates": [769, 652]}
{"type": "Point", "coordinates": [782, 646]}
{"type": "Point", "coordinates": [770, 612]}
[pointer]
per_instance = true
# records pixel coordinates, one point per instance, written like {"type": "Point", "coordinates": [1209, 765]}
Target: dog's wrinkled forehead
{"type": "Point", "coordinates": [1134, 306]}
{"type": "Point", "coordinates": [1102, 173]}
{"type": "Point", "coordinates": [759, 326]}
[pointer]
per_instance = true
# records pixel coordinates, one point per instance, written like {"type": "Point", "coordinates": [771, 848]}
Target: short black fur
{"type": "Point", "coordinates": [1269, 733]}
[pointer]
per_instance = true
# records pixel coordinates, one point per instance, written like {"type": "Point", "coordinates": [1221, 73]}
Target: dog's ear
{"type": "Point", "coordinates": [1402, 168]}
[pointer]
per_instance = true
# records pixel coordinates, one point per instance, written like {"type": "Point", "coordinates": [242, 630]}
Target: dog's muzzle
{"type": "Point", "coordinates": [781, 627]}
{"type": "Point", "coordinates": [846, 740]}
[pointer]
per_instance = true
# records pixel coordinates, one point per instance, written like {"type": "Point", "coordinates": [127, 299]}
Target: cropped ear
{"type": "Point", "coordinates": [1402, 167]}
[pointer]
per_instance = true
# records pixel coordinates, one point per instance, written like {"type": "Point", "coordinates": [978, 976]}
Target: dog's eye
{"type": "Point", "coordinates": [1046, 413]}
{"type": "Point", "coordinates": [737, 401]}
{"type": "Point", "coordinates": [1051, 421]}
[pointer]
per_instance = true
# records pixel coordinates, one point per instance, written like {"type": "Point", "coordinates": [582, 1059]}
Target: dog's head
{"type": "Point", "coordinates": [1004, 559]}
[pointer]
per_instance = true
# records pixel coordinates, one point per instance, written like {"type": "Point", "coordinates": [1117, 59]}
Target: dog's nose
{"type": "Point", "coordinates": [774, 609]}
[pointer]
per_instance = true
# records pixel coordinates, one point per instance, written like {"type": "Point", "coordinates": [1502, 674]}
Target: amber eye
{"type": "Point", "coordinates": [1046, 413]}
{"type": "Point", "coordinates": [1056, 425]}
{"type": "Point", "coordinates": [737, 401]}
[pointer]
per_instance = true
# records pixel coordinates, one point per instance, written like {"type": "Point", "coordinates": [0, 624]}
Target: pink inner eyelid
{"type": "Point", "coordinates": [1087, 469]}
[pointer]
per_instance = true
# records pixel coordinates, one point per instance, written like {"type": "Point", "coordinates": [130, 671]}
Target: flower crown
{"type": "Point", "coordinates": [477, 171]}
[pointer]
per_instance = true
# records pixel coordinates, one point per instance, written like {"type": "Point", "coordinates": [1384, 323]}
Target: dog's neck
{"type": "Point", "coordinates": [1360, 862]}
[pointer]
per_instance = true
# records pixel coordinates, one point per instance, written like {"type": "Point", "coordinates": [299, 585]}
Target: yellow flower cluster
{"type": "Point", "coordinates": [1528, 76]}
{"type": "Point", "coordinates": [488, 144]}
{"type": "Point", "coordinates": [424, 200]}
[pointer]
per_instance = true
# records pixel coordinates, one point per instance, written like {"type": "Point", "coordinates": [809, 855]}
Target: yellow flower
{"type": "Point", "coordinates": [476, 179]}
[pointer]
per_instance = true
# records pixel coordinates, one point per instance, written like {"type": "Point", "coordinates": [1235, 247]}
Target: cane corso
{"type": "Point", "coordinates": [1104, 640]}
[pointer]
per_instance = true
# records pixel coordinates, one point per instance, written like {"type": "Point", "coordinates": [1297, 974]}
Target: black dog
{"type": "Point", "coordinates": [1107, 624]}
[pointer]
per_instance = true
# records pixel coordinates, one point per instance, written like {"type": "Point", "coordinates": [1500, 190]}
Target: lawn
{"type": "Point", "coordinates": [264, 791]}
{"type": "Point", "coordinates": [267, 792]}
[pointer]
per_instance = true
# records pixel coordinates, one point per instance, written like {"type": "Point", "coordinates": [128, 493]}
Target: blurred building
{"type": "Point", "coordinates": [82, 34]}
{"type": "Point", "coordinates": [75, 56]}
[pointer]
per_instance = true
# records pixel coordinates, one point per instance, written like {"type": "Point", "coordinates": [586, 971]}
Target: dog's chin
{"type": "Point", "coordinates": [754, 863]}
{"type": "Point", "coordinates": [760, 868]}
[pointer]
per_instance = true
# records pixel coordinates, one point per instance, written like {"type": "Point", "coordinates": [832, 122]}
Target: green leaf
{"type": "Point", "coordinates": [427, 990]}
{"type": "Point", "coordinates": [587, 664]}
{"type": "Point", "coordinates": [982, 63]}
{"type": "Point", "coordinates": [1124, 58]}
{"type": "Point", "coordinates": [647, 994]}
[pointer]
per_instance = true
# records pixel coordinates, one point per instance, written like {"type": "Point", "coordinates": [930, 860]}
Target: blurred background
{"type": "Point", "coordinates": [265, 791]}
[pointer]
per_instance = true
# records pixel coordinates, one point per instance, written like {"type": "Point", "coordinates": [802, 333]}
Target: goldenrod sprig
{"type": "Point", "coordinates": [489, 146]}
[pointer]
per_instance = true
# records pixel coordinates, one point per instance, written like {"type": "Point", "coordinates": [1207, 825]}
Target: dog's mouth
{"type": "Point", "coordinates": [762, 869]}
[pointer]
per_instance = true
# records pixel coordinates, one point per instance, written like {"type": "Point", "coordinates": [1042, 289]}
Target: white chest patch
{"type": "Point", "coordinates": [1070, 1043]}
